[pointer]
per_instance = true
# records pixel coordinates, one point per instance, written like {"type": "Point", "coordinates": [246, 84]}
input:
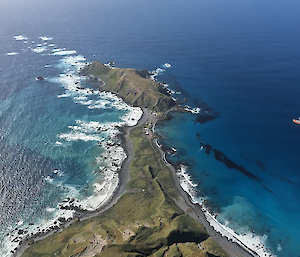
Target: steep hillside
{"type": "Point", "coordinates": [132, 85]}
{"type": "Point", "coordinates": [144, 222]}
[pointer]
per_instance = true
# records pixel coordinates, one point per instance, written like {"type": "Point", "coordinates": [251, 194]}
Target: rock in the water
{"type": "Point", "coordinates": [30, 242]}
{"type": "Point", "coordinates": [61, 219]}
{"type": "Point", "coordinates": [40, 78]}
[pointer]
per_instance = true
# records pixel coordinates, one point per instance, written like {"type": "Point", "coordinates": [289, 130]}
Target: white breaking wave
{"type": "Point", "coordinates": [49, 179]}
{"type": "Point", "coordinates": [75, 62]}
{"type": "Point", "coordinates": [12, 241]}
{"type": "Point", "coordinates": [46, 38]}
{"type": "Point", "coordinates": [195, 110]}
{"type": "Point", "coordinates": [156, 72]}
{"type": "Point", "coordinates": [57, 50]}
{"type": "Point", "coordinates": [39, 49]}
{"type": "Point", "coordinates": [11, 54]}
{"type": "Point", "coordinates": [20, 222]}
{"type": "Point", "coordinates": [62, 53]}
{"type": "Point", "coordinates": [58, 172]}
{"type": "Point", "coordinates": [257, 243]}
{"type": "Point", "coordinates": [186, 182]}
{"type": "Point", "coordinates": [64, 95]}
{"type": "Point", "coordinates": [101, 193]}
{"type": "Point", "coordinates": [104, 134]}
{"type": "Point", "coordinates": [109, 162]}
{"type": "Point", "coordinates": [50, 209]}
{"type": "Point", "coordinates": [246, 238]}
{"type": "Point", "coordinates": [20, 38]}
{"type": "Point", "coordinates": [160, 71]}
{"type": "Point", "coordinates": [167, 65]}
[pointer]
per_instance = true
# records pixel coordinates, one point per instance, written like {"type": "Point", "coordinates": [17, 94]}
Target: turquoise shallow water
{"type": "Point", "coordinates": [239, 57]}
{"type": "Point", "coordinates": [53, 135]}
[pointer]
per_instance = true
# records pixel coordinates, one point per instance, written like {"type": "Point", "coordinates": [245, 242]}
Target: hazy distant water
{"type": "Point", "coordinates": [240, 57]}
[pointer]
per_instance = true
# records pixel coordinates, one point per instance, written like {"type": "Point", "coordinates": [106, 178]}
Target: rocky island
{"type": "Point", "coordinates": [149, 214]}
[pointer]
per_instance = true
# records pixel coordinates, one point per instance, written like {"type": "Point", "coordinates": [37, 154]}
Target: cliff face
{"type": "Point", "coordinates": [132, 85]}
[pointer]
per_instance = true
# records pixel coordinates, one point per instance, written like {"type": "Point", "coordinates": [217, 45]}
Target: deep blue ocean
{"type": "Point", "coordinates": [241, 58]}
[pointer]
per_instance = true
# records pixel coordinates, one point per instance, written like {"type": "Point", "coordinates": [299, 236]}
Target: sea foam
{"type": "Point", "coordinates": [20, 38]}
{"type": "Point", "coordinates": [46, 38]}
{"type": "Point", "coordinates": [167, 65]}
{"type": "Point", "coordinates": [64, 52]}
{"type": "Point", "coordinates": [105, 135]}
{"type": "Point", "coordinates": [39, 49]}
{"type": "Point", "coordinates": [245, 238]}
{"type": "Point", "coordinates": [12, 53]}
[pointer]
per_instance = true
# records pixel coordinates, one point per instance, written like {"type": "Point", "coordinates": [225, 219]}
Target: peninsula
{"type": "Point", "coordinates": [149, 214]}
{"type": "Point", "coordinates": [133, 86]}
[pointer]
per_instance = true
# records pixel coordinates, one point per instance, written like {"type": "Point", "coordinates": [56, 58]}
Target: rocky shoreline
{"type": "Point", "coordinates": [183, 200]}
{"type": "Point", "coordinates": [195, 211]}
{"type": "Point", "coordinates": [81, 214]}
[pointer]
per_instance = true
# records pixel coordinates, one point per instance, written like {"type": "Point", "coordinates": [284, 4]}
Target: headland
{"type": "Point", "coordinates": [134, 86]}
{"type": "Point", "coordinates": [149, 214]}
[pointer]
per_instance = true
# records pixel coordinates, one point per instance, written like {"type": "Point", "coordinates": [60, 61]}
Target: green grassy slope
{"type": "Point", "coordinates": [144, 222]}
{"type": "Point", "coordinates": [132, 86]}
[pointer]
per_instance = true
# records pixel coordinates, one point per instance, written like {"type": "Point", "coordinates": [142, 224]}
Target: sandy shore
{"type": "Point", "coordinates": [183, 201]}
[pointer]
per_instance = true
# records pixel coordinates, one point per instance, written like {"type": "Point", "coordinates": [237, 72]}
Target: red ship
{"type": "Point", "coordinates": [297, 121]}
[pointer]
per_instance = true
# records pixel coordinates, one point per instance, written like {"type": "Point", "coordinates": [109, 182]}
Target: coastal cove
{"type": "Point", "coordinates": [136, 206]}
